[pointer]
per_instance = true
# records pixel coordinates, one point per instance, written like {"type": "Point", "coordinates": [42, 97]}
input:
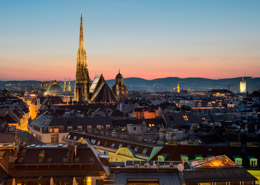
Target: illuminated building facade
{"type": "Point", "coordinates": [178, 88]}
{"type": "Point", "coordinates": [82, 83]}
{"type": "Point", "coordinates": [69, 87]}
{"type": "Point", "coordinates": [120, 89]}
{"type": "Point", "coordinates": [243, 86]}
{"type": "Point", "coordinates": [65, 86]}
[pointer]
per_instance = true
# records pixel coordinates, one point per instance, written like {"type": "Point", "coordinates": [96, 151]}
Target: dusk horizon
{"type": "Point", "coordinates": [130, 92]}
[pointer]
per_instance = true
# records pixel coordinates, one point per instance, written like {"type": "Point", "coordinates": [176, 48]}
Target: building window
{"type": "Point", "coordinates": [113, 145]}
{"type": "Point", "coordinates": [54, 139]}
{"type": "Point", "coordinates": [120, 145]}
{"type": "Point", "coordinates": [136, 149]}
{"type": "Point", "coordinates": [134, 128]}
{"type": "Point", "coordinates": [185, 158]}
{"type": "Point", "coordinates": [185, 117]}
{"type": "Point", "coordinates": [144, 151]}
{"type": "Point", "coordinates": [99, 127]}
{"type": "Point", "coordinates": [198, 158]}
{"type": "Point", "coordinates": [56, 130]}
{"type": "Point", "coordinates": [160, 158]}
{"type": "Point", "coordinates": [89, 127]}
{"type": "Point", "coordinates": [79, 127]}
{"type": "Point", "coordinates": [98, 143]}
{"type": "Point", "coordinates": [69, 128]}
{"type": "Point", "coordinates": [238, 161]}
{"type": "Point", "coordinates": [253, 162]}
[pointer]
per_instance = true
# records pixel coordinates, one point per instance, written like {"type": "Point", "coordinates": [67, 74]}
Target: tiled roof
{"type": "Point", "coordinates": [217, 175]}
{"type": "Point", "coordinates": [56, 160]}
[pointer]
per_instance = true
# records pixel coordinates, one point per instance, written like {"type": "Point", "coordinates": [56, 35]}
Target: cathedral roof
{"type": "Point", "coordinates": [100, 91]}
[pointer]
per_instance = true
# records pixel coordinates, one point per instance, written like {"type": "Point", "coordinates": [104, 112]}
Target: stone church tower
{"type": "Point", "coordinates": [120, 89]}
{"type": "Point", "coordinates": [82, 83]}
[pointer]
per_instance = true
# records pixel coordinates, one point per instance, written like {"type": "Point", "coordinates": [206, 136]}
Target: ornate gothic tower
{"type": "Point", "coordinates": [82, 83]}
{"type": "Point", "coordinates": [120, 89]}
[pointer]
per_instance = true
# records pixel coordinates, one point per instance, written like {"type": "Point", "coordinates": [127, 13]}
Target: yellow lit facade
{"type": "Point", "coordinates": [178, 88]}
{"type": "Point", "coordinates": [243, 86]}
{"type": "Point", "coordinates": [256, 174]}
{"type": "Point", "coordinates": [121, 155]}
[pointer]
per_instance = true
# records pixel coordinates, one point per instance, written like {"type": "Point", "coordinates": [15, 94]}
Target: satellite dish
{"type": "Point", "coordinates": [180, 167]}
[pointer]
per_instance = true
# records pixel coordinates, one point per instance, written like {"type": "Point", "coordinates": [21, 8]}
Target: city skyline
{"type": "Point", "coordinates": [157, 39]}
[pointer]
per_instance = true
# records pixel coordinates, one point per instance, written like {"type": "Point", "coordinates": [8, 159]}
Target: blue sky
{"type": "Point", "coordinates": [149, 39]}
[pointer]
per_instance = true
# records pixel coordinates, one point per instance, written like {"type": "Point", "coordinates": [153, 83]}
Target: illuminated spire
{"type": "Point", "coordinates": [69, 86]}
{"type": "Point", "coordinates": [82, 83]}
{"type": "Point", "coordinates": [65, 86]}
{"type": "Point", "coordinates": [81, 35]}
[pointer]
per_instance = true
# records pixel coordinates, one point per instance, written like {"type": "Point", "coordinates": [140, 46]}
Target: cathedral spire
{"type": "Point", "coordinates": [81, 35]}
{"type": "Point", "coordinates": [82, 83]}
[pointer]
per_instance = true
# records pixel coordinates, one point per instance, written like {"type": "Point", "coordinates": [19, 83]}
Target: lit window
{"type": "Point", "coordinates": [113, 145]}
{"type": "Point", "coordinates": [120, 145]}
{"type": "Point", "coordinates": [98, 143]}
{"type": "Point", "coordinates": [2, 153]}
{"type": "Point", "coordinates": [198, 158]}
{"type": "Point", "coordinates": [185, 158]}
{"type": "Point", "coordinates": [253, 162]}
{"type": "Point", "coordinates": [238, 161]}
{"type": "Point", "coordinates": [160, 158]}
{"type": "Point", "coordinates": [56, 130]}
{"type": "Point", "coordinates": [185, 118]}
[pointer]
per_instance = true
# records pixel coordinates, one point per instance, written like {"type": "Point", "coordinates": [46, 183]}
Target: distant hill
{"type": "Point", "coordinates": [167, 84]}
{"type": "Point", "coordinates": [195, 84]}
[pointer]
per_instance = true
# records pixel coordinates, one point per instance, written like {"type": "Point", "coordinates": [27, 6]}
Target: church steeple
{"type": "Point", "coordinates": [69, 86]}
{"type": "Point", "coordinates": [82, 83]}
{"type": "Point", "coordinates": [81, 35]}
{"type": "Point", "coordinates": [65, 86]}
